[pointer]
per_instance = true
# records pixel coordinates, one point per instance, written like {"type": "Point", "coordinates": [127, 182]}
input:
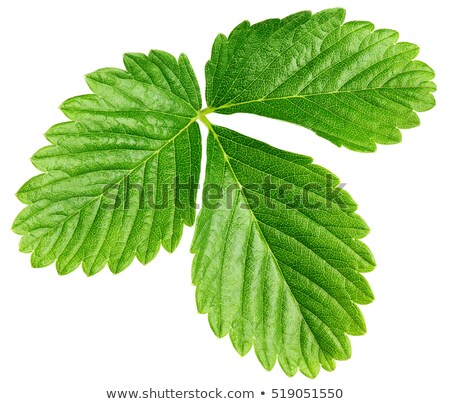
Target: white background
{"type": "Point", "coordinates": [68, 339]}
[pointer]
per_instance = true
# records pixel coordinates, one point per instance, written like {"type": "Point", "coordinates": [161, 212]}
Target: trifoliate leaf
{"type": "Point", "coordinates": [349, 83]}
{"type": "Point", "coordinates": [278, 259]}
{"type": "Point", "coordinates": [119, 179]}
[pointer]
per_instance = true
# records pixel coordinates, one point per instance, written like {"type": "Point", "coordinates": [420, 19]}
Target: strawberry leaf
{"type": "Point", "coordinates": [280, 270]}
{"type": "Point", "coordinates": [349, 83]}
{"type": "Point", "coordinates": [109, 191]}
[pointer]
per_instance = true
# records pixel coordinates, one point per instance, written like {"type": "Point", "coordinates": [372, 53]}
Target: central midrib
{"type": "Point", "coordinates": [299, 96]}
{"type": "Point", "coordinates": [208, 124]}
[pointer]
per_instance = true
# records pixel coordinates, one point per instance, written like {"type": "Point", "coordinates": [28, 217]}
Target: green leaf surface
{"type": "Point", "coordinates": [108, 191]}
{"type": "Point", "coordinates": [275, 271]}
{"type": "Point", "coordinates": [279, 260]}
{"type": "Point", "coordinates": [349, 83]}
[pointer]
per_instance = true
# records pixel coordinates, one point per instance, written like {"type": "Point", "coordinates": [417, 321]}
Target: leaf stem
{"type": "Point", "coordinates": [201, 115]}
{"type": "Point", "coordinates": [206, 111]}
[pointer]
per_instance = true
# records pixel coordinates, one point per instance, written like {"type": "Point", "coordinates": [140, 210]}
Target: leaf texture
{"type": "Point", "coordinates": [279, 260]}
{"type": "Point", "coordinates": [275, 271]}
{"type": "Point", "coordinates": [349, 83]}
{"type": "Point", "coordinates": [107, 193]}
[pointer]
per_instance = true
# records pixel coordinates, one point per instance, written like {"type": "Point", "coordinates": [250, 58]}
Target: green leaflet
{"type": "Point", "coordinates": [349, 83]}
{"type": "Point", "coordinates": [109, 169]}
{"type": "Point", "coordinates": [282, 275]}
{"type": "Point", "coordinates": [278, 258]}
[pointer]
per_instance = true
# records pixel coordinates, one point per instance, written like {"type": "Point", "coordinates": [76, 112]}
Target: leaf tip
{"type": "Point", "coordinates": [63, 107]}
{"type": "Point", "coordinates": [20, 196]}
{"type": "Point", "coordinates": [15, 227]}
{"type": "Point", "coordinates": [63, 269]}
{"type": "Point", "coordinates": [36, 261]}
{"type": "Point", "coordinates": [131, 57]}
{"type": "Point", "coordinates": [89, 78]}
{"type": "Point", "coordinates": [338, 12]}
{"type": "Point", "coordinates": [171, 243]}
